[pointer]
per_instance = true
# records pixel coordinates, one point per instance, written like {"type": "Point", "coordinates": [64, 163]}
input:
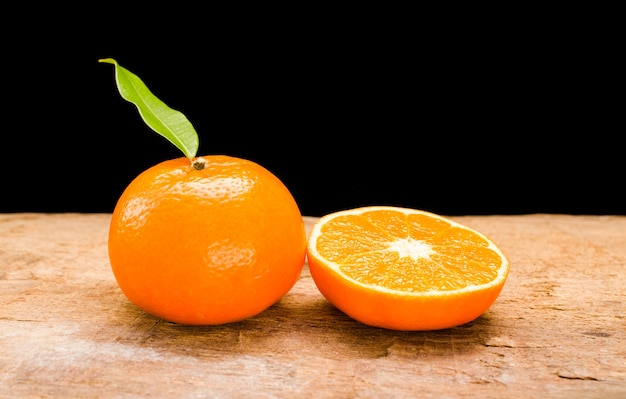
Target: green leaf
{"type": "Point", "coordinates": [167, 122]}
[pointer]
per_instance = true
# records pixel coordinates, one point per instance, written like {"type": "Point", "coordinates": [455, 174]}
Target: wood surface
{"type": "Point", "coordinates": [558, 329]}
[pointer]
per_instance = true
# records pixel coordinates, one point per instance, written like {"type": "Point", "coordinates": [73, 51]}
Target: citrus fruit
{"type": "Point", "coordinates": [208, 244]}
{"type": "Point", "coordinates": [404, 269]}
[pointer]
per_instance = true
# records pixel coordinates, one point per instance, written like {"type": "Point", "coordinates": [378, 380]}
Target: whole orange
{"type": "Point", "coordinates": [211, 244]}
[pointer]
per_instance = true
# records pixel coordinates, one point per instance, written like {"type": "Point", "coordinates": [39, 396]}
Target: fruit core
{"type": "Point", "coordinates": [411, 248]}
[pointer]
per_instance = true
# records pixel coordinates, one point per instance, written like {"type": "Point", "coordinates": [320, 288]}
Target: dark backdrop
{"type": "Point", "coordinates": [472, 123]}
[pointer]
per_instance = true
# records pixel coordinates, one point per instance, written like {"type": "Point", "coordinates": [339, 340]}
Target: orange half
{"type": "Point", "coordinates": [404, 269]}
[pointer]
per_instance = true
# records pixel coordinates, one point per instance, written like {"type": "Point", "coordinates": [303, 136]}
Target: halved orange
{"type": "Point", "coordinates": [404, 269]}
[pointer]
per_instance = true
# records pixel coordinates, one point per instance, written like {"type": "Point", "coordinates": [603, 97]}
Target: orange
{"type": "Point", "coordinates": [209, 246]}
{"type": "Point", "coordinates": [404, 269]}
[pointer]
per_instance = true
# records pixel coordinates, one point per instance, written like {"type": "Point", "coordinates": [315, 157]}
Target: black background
{"type": "Point", "coordinates": [477, 120]}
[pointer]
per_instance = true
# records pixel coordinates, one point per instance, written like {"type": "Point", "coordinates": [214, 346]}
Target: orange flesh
{"type": "Point", "coordinates": [415, 254]}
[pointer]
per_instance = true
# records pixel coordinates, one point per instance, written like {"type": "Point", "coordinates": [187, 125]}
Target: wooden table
{"type": "Point", "coordinates": [558, 329]}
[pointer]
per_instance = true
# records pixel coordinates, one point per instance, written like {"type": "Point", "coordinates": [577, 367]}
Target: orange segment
{"type": "Point", "coordinates": [404, 269]}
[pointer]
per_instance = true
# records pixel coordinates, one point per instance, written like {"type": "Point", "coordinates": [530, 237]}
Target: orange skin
{"type": "Point", "coordinates": [209, 246]}
{"type": "Point", "coordinates": [402, 312]}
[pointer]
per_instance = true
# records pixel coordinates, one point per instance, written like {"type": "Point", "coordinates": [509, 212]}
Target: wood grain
{"type": "Point", "coordinates": [558, 330]}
